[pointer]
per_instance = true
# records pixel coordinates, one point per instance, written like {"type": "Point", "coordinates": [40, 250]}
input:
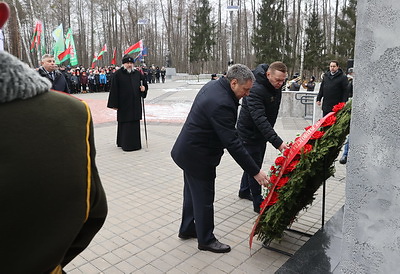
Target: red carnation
{"type": "Point", "coordinates": [307, 128]}
{"type": "Point", "coordinates": [274, 199]}
{"type": "Point", "coordinates": [273, 169]}
{"type": "Point", "coordinates": [282, 182]}
{"type": "Point", "coordinates": [307, 148]}
{"type": "Point", "coordinates": [286, 152]}
{"type": "Point", "coordinates": [317, 135]}
{"type": "Point", "coordinates": [329, 121]}
{"type": "Point", "coordinates": [280, 160]}
{"type": "Point", "coordinates": [273, 178]}
{"type": "Point", "coordinates": [290, 167]}
{"type": "Point", "coordinates": [338, 107]}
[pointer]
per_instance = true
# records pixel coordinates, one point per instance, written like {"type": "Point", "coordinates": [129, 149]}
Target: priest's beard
{"type": "Point", "coordinates": [128, 70]}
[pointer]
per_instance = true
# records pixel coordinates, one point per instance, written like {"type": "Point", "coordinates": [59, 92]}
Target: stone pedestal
{"type": "Point", "coordinates": [170, 72]}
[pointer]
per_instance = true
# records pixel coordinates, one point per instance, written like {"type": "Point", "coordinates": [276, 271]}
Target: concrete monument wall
{"type": "Point", "coordinates": [371, 228]}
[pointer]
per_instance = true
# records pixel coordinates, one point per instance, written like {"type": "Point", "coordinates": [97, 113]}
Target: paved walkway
{"type": "Point", "coordinates": [144, 191]}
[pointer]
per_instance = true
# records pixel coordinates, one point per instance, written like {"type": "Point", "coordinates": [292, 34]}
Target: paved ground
{"type": "Point", "coordinates": [144, 190]}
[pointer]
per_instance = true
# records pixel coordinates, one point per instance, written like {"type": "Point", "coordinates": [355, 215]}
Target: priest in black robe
{"type": "Point", "coordinates": [128, 87]}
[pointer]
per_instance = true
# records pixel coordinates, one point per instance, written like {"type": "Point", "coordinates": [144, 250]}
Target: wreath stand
{"type": "Point", "coordinates": [266, 243]}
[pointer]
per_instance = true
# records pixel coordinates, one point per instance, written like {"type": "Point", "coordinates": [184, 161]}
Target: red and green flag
{"type": "Point", "coordinates": [70, 52]}
{"type": "Point", "coordinates": [59, 46]}
{"type": "Point", "coordinates": [114, 59]}
{"type": "Point", "coordinates": [94, 60]}
{"type": "Point", "coordinates": [37, 32]}
{"type": "Point", "coordinates": [137, 47]}
{"type": "Point", "coordinates": [103, 50]}
{"type": "Point", "coordinates": [65, 54]}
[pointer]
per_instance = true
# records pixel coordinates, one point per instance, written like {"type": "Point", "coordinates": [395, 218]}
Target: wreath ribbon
{"type": "Point", "coordinates": [299, 143]}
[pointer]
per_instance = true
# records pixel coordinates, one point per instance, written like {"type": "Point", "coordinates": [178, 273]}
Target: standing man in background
{"type": "Point", "coordinates": [128, 87]}
{"type": "Point", "coordinates": [256, 123]}
{"type": "Point", "coordinates": [333, 89]}
{"type": "Point", "coordinates": [209, 128]}
{"type": "Point", "coordinates": [49, 70]}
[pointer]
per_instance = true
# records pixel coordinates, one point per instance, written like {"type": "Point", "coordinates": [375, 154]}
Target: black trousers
{"type": "Point", "coordinates": [248, 184]}
{"type": "Point", "coordinates": [198, 208]}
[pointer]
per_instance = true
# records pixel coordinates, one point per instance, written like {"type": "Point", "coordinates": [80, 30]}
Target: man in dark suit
{"type": "Point", "coordinates": [209, 128]}
{"type": "Point", "coordinates": [49, 70]}
{"type": "Point", "coordinates": [333, 89]}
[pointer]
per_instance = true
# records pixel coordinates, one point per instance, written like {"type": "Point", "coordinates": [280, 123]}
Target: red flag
{"type": "Point", "coordinates": [66, 52]}
{"type": "Point", "coordinates": [103, 50]}
{"type": "Point", "coordinates": [36, 35]}
{"type": "Point", "coordinates": [94, 60]}
{"type": "Point", "coordinates": [114, 59]}
{"type": "Point", "coordinates": [138, 47]}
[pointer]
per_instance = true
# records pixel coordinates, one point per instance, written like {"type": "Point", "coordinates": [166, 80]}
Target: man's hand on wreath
{"type": "Point", "coordinates": [262, 178]}
{"type": "Point", "coordinates": [282, 147]}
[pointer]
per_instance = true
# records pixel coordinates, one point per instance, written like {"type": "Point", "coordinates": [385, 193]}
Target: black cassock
{"type": "Point", "coordinates": [125, 95]}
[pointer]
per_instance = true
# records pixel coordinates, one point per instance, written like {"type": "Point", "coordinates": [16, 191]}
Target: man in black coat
{"type": "Point", "coordinates": [48, 70]}
{"type": "Point", "coordinates": [334, 88]}
{"type": "Point", "coordinates": [256, 122]}
{"type": "Point", "coordinates": [128, 87]}
{"type": "Point", "coordinates": [209, 128]}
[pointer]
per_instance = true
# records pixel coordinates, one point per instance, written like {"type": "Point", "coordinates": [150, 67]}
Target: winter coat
{"type": "Point", "coordinates": [260, 110]}
{"type": "Point", "coordinates": [209, 128]}
{"type": "Point", "coordinates": [92, 79]}
{"type": "Point", "coordinates": [334, 90]}
{"type": "Point", "coordinates": [102, 79]}
{"type": "Point", "coordinates": [59, 83]}
{"type": "Point", "coordinates": [52, 201]}
{"type": "Point", "coordinates": [83, 79]}
{"type": "Point", "coordinates": [125, 95]}
{"type": "Point", "coordinates": [74, 80]}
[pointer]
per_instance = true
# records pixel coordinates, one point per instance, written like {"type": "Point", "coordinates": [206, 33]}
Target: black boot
{"type": "Point", "coordinates": [343, 160]}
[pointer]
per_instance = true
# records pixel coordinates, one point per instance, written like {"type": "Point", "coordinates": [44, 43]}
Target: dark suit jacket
{"type": "Point", "coordinates": [209, 128]}
{"type": "Point", "coordinates": [59, 83]}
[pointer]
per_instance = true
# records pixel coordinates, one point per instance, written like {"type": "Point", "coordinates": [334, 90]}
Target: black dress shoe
{"type": "Point", "coordinates": [186, 236]}
{"type": "Point", "coordinates": [216, 247]}
{"type": "Point", "coordinates": [245, 196]}
{"type": "Point", "coordinates": [343, 160]}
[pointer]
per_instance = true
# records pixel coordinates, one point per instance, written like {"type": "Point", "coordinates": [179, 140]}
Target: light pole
{"type": "Point", "coordinates": [231, 8]}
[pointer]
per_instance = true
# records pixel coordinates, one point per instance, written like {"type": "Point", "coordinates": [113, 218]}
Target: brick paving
{"type": "Point", "coordinates": [144, 191]}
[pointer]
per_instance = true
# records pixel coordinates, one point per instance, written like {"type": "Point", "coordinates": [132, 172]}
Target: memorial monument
{"type": "Point", "coordinates": [371, 223]}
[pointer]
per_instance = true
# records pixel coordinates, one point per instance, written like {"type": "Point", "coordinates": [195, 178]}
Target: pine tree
{"type": "Point", "coordinates": [314, 57]}
{"type": "Point", "coordinates": [268, 38]}
{"type": "Point", "coordinates": [347, 33]}
{"type": "Point", "coordinates": [202, 34]}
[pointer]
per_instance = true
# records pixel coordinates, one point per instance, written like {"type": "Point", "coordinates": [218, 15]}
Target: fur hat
{"type": "Point", "coordinates": [127, 59]}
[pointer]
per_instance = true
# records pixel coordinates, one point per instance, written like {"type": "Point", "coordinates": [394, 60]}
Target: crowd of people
{"type": "Point", "coordinates": [98, 79]}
